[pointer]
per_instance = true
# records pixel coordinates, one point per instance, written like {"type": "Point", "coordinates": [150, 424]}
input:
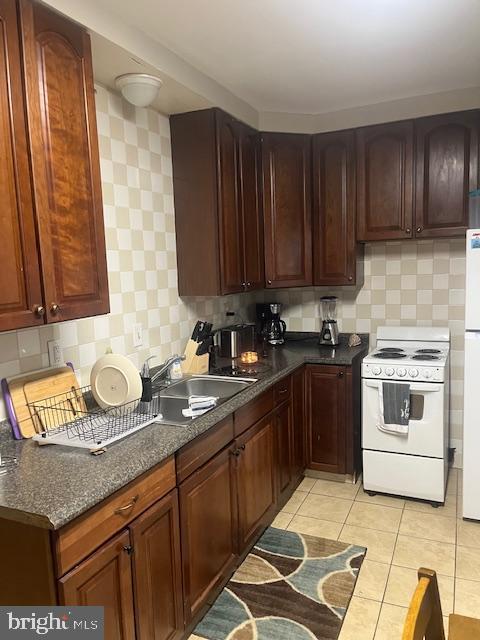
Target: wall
{"type": "Point", "coordinates": [406, 283]}
{"type": "Point", "coordinates": [140, 236]}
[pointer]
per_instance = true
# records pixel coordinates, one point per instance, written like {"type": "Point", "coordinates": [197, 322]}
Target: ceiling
{"type": "Point", "coordinates": [318, 56]}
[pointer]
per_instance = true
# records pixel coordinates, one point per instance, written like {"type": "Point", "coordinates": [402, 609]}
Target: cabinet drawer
{"type": "Point", "coordinates": [282, 390]}
{"type": "Point", "coordinates": [79, 538]}
{"type": "Point", "coordinates": [195, 454]}
{"type": "Point", "coordinates": [248, 415]}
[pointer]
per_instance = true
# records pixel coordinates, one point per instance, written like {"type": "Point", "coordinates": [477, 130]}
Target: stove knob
{"type": "Point", "coordinates": [401, 372]}
{"type": "Point", "coordinates": [376, 371]}
{"type": "Point", "coordinates": [389, 371]}
{"type": "Point", "coordinates": [413, 373]}
{"type": "Point", "coordinates": [427, 373]}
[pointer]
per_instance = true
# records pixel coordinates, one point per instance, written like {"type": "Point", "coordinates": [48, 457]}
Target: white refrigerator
{"type": "Point", "coordinates": [471, 406]}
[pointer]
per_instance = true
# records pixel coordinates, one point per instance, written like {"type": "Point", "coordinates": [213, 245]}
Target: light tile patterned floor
{"type": "Point", "coordinates": [401, 535]}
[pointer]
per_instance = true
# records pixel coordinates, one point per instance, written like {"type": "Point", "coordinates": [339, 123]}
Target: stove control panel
{"type": "Point", "coordinates": [414, 374]}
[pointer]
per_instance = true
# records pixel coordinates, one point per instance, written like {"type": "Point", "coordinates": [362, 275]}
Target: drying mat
{"type": "Point", "coordinates": [290, 587]}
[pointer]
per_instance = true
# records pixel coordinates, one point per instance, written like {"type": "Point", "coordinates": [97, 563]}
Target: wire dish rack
{"type": "Point", "coordinates": [74, 419]}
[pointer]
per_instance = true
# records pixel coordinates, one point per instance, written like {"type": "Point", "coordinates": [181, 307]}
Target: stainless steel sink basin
{"type": "Point", "coordinates": [216, 386]}
{"type": "Point", "coordinates": [170, 410]}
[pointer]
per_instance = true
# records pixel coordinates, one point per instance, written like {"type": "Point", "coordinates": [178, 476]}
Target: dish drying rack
{"type": "Point", "coordinates": [73, 419]}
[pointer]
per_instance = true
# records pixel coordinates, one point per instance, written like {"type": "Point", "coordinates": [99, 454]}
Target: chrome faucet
{"type": "Point", "coordinates": [165, 367]}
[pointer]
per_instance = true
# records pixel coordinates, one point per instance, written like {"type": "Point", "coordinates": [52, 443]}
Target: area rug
{"type": "Point", "coordinates": [290, 587]}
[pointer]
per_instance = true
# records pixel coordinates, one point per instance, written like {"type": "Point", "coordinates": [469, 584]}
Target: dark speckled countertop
{"type": "Point", "coordinates": [52, 485]}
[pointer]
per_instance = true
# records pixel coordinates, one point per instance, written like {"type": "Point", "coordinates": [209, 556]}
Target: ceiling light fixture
{"type": "Point", "coordinates": [139, 89]}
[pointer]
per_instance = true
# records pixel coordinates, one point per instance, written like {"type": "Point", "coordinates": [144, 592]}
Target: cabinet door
{"type": "Point", "coordinates": [256, 480]}
{"type": "Point", "coordinates": [334, 234]}
{"type": "Point", "coordinates": [298, 422]}
{"type": "Point", "coordinates": [20, 290]}
{"type": "Point", "coordinates": [230, 223]}
{"type": "Point", "coordinates": [284, 448]}
{"type": "Point", "coordinates": [253, 255]}
{"type": "Point", "coordinates": [158, 571]}
{"type": "Point", "coordinates": [65, 163]}
{"type": "Point", "coordinates": [287, 209]}
{"type": "Point", "coordinates": [208, 520]}
{"type": "Point", "coordinates": [105, 579]}
{"type": "Point", "coordinates": [326, 406]}
{"type": "Point", "coordinates": [446, 170]}
{"type": "Point", "coordinates": [385, 181]}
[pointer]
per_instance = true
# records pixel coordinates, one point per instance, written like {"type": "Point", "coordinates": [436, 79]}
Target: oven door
{"type": "Point", "coordinates": [426, 429]}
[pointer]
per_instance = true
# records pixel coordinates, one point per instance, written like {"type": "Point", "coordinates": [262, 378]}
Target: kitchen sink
{"type": "Point", "coordinates": [216, 386]}
{"type": "Point", "coordinates": [170, 410]}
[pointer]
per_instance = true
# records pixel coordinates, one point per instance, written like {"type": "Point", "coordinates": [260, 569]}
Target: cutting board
{"type": "Point", "coordinates": [60, 390]}
{"type": "Point", "coordinates": [19, 399]}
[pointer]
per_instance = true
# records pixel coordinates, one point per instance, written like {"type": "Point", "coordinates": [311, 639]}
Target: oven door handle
{"type": "Point", "coordinates": [425, 387]}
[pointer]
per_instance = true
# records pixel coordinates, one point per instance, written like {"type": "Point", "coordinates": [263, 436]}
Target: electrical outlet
{"type": "Point", "coordinates": [137, 334]}
{"type": "Point", "coordinates": [55, 353]}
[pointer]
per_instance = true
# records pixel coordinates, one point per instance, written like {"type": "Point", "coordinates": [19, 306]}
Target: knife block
{"type": "Point", "coordinates": [193, 363]}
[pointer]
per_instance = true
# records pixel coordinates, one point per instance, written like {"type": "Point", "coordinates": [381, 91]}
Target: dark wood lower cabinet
{"type": "Point", "coordinates": [105, 579]}
{"type": "Point", "coordinates": [256, 481]}
{"type": "Point", "coordinates": [326, 415]}
{"type": "Point", "coordinates": [284, 450]}
{"type": "Point", "coordinates": [158, 571]}
{"type": "Point", "coordinates": [298, 423]}
{"type": "Point", "coordinates": [208, 520]}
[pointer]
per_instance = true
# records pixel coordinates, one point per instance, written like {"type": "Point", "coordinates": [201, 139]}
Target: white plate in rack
{"type": "Point", "coordinates": [115, 381]}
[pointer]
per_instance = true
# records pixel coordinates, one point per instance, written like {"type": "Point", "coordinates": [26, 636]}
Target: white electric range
{"type": "Point", "coordinates": [413, 464]}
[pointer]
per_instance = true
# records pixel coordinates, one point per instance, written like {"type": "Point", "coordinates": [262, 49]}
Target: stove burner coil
{"type": "Point", "coordinates": [428, 351]}
{"type": "Point", "coordinates": [390, 355]}
{"type": "Point", "coordinates": [391, 350]}
{"type": "Point", "coordinates": [425, 356]}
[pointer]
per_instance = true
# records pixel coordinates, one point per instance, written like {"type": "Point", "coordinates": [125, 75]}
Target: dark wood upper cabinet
{"type": "Point", "coordinates": [65, 163]}
{"type": "Point", "coordinates": [385, 181]}
{"type": "Point", "coordinates": [208, 520]}
{"type": "Point", "coordinates": [446, 170]}
{"type": "Point", "coordinates": [158, 571]}
{"type": "Point", "coordinates": [256, 480]}
{"type": "Point", "coordinates": [21, 299]}
{"type": "Point", "coordinates": [252, 220]}
{"type": "Point", "coordinates": [326, 416]}
{"type": "Point", "coordinates": [286, 167]}
{"type": "Point", "coordinates": [229, 213]}
{"type": "Point", "coordinates": [105, 579]}
{"type": "Point", "coordinates": [217, 213]}
{"type": "Point", "coordinates": [335, 249]}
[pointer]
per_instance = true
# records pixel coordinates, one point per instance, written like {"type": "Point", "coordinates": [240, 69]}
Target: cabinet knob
{"type": "Point", "coordinates": [54, 309]}
{"type": "Point", "coordinates": [128, 548]}
{"type": "Point", "coordinates": [269, 282]}
{"type": "Point", "coordinates": [249, 284]}
{"type": "Point", "coordinates": [235, 452]}
{"type": "Point", "coordinates": [39, 311]}
{"type": "Point", "coordinates": [408, 230]}
{"type": "Point", "coordinates": [350, 278]}
{"type": "Point", "coordinates": [340, 374]}
{"type": "Point", "coordinates": [419, 229]}
{"type": "Point", "coordinates": [242, 447]}
{"type": "Point", "coordinates": [244, 284]}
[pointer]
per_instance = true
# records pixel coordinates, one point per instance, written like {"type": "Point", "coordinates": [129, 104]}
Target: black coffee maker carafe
{"type": "Point", "coordinates": [275, 328]}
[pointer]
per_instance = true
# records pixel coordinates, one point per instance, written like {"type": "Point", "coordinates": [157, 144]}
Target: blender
{"type": "Point", "coordinates": [329, 331]}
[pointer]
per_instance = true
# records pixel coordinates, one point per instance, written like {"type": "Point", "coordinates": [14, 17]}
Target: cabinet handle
{"type": "Point", "coordinates": [340, 374]}
{"type": "Point", "coordinates": [408, 230]}
{"type": "Point", "coordinates": [350, 278]}
{"type": "Point", "coordinates": [269, 282]}
{"type": "Point", "coordinates": [39, 311]}
{"type": "Point", "coordinates": [55, 308]}
{"type": "Point", "coordinates": [282, 391]}
{"type": "Point", "coordinates": [235, 452]}
{"type": "Point", "coordinates": [121, 510]}
{"type": "Point", "coordinates": [128, 548]}
{"type": "Point", "coordinates": [419, 229]}
{"type": "Point", "coordinates": [242, 447]}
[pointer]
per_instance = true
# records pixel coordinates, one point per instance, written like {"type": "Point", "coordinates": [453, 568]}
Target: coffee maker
{"type": "Point", "coordinates": [271, 327]}
{"type": "Point", "coordinates": [329, 331]}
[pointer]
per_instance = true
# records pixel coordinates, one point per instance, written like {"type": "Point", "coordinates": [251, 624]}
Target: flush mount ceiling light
{"type": "Point", "coordinates": [139, 89]}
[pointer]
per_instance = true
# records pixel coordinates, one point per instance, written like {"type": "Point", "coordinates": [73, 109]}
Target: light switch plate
{"type": "Point", "coordinates": [137, 334]}
{"type": "Point", "coordinates": [55, 353]}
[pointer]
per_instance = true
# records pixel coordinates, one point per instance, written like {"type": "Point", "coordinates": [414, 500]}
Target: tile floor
{"type": "Point", "coordinates": [401, 535]}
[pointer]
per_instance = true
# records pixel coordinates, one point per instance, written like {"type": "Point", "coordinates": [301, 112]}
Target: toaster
{"type": "Point", "coordinates": [235, 339]}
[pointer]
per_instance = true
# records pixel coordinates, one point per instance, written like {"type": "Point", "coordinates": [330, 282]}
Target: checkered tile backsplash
{"type": "Point", "coordinates": [405, 282]}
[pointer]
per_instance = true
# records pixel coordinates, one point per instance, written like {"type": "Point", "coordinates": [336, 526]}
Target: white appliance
{"type": "Point", "coordinates": [413, 464]}
{"type": "Point", "coordinates": [471, 392]}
